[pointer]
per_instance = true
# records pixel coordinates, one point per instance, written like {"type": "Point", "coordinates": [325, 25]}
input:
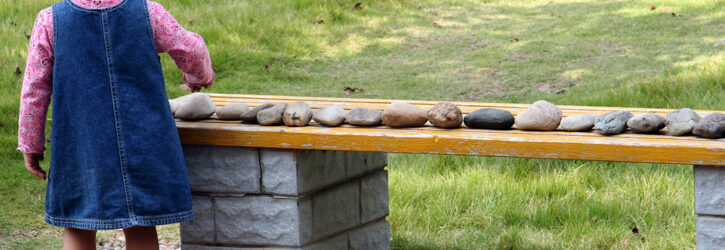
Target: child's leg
{"type": "Point", "coordinates": [79, 239]}
{"type": "Point", "coordinates": [140, 237]}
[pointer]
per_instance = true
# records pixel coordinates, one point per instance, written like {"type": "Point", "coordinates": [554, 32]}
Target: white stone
{"type": "Point", "coordinates": [330, 116]}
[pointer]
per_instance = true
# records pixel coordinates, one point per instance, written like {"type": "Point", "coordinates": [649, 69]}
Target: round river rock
{"type": "Point", "coordinates": [541, 115]}
{"type": "Point", "coordinates": [251, 115]}
{"type": "Point", "coordinates": [232, 111]}
{"type": "Point", "coordinates": [646, 123]}
{"type": "Point", "coordinates": [271, 116]}
{"type": "Point", "coordinates": [711, 126]}
{"type": "Point", "coordinates": [489, 118]}
{"type": "Point", "coordinates": [401, 114]}
{"type": "Point", "coordinates": [578, 122]}
{"type": "Point", "coordinates": [364, 117]}
{"type": "Point", "coordinates": [445, 115]}
{"type": "Point", "coordinates": [330, 116]}
{"type": "Point", "coordinates": [612, 123]}
{"type": "Point", "coordinates": [681, 121]}
{"type": "Point", "coordinates": [297, 114]}
{"type": "Point", "coordinates": [196, 106]}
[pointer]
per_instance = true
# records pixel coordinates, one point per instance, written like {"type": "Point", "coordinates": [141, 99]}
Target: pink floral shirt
{"type": "Point", "coordinates": [186, 48]}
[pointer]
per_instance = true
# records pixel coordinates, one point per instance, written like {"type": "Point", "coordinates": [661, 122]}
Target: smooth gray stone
{"type": "Point", "coordinates": [612, 123]}
{"type": "Point", "coordinates": [196, 106]}
{"type": "Point", "coordinates": [578, 122]}
{"type": "Point", "coordinates": [330, 116]}
{"type": "Point", "coordinates": [711, 126]}
{"type": "Point", "coordinates": [251, 115]}
{"type": "Point", "coordinates": [297, 114]}
{"type": "Point", "coordinates": [401, 114]}
{"type": "Point", "coordinates": [445, 115]}
{"type": "Point", "coordinates": [271, 116]}
{"type": "Point", "coordinates": [174, 106]}
{"type": "Point", "coordinates": [232, 111]}
{"type": "Point", "coordinates": [681, 121]}
{"type": "Point", "coordinates": [489, 118]}
{"type": "Point", "coordinates": [364, 117]}
{"type": "Point", "coordinates": [646, 123]}
{"type": "Point", "coordinates": [541, 115]}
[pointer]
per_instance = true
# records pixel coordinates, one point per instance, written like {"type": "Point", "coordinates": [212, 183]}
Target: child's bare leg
{"type": "Point", "coordinates": [79, 239]}
{"type": "Point", "coordinates": [140, 237]}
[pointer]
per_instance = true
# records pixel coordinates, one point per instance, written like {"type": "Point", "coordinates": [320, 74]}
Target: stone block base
{"type": "Point", "coordinates": [710, 206]}
{"type": "Point", "coordinates": [246, 198]}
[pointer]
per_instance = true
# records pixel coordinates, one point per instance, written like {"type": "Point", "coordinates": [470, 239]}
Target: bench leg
{"type": "Point", "coordinates": [710, 206]}
{"type": "Point", "coordinates": [257, 198]}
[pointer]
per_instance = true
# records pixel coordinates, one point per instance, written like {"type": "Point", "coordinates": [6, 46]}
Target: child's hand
{"type": "Point", "coordinates": [32, 164]}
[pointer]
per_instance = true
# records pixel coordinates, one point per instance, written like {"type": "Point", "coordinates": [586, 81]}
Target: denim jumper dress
{"type": "Point", "coordinates": [116, 159]}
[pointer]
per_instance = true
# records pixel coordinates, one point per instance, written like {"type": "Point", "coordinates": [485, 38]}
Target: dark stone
{"type": "Point", "coordinates": [612, 123]}
{"type": "Point", "coordinates": [489, 118]}
{"type": "Point", "coordinates": [251, 115]}
{"type": "Point", "coordinates": [711, 126]}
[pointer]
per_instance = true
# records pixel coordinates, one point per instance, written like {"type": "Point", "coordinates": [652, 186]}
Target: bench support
{"type": "Point", "coordinates": [257, 198]}
{"type": "Point", "coordinates": [710, 206]}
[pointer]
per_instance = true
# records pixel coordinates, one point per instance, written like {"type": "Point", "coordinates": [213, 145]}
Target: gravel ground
{"type": "Point", "coordinates": [118, 242]}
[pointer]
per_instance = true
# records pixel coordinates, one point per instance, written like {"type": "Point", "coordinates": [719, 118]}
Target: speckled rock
{"type": "Point", "coordinates": [271, 116]}
{"type": "Point", "coordinates": [196, 106]}
{"type": "Point", "coordinates": [297, 114]}
{"type": "Point", "coordinates": [578, 122]}
{"type": "Point", "coordinates": [251, 115]}
{"type": "Point", "coordinates": [711, 126]}
{"type": "Point", "coordinates": [445, 115]}
{"type": "Point", "coordinates": [541, 115]}
{"type": "Point", "coordinates": [489, 118]}
{"type": "Point", "coordinates": [612, 123]}
{"type": "Point", "coordinates": [681, 121]}
{"type": "Point", "coordinates": [174, 106]}
{"type": "Point", "coordinates": [330, 116]}
{"type": "Point", "coordinates": [401, 114]}
{"type": "Point", "coordinates": [232, 111]}
{"type": "Point", "coordinates": [364, 117]}
{"type": "Point", "coordinates": [646, 123]}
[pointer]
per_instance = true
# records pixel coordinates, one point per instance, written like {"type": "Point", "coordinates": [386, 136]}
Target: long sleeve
{"type": "Point", "coordinates": [186, 48]}
{"type": "Point", "coordinates": [37, 86]}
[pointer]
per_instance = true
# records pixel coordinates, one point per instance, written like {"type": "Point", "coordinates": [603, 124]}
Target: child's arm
{"type": "Point", "coordinates": [35, 94]}
{"type": "Point", "coordinates": [37, 87]}
{"type": "Point", "coordinates": [186, 48]}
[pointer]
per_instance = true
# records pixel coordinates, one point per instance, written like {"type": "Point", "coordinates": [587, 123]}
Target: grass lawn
{"type": "Point", "coordinates": [583, 52]}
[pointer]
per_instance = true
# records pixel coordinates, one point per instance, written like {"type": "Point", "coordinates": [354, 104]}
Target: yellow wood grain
{"type": "Point", "coordinates": [380, 104]}
{"type": "Point", "coordinates": [462, 141]}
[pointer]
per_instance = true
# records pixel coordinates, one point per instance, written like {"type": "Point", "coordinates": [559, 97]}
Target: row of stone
{"type": "Point", "coordinates": [541, 115]}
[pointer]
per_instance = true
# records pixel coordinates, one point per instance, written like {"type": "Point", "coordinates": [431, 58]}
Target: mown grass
{"type": "Point", "coordinates": [610, 53]}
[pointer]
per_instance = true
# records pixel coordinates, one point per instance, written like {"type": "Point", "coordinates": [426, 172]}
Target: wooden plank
{"type": "Point", "coordinates": [466, 107]}
{"type": "Point", "coordinates": [462, 141]}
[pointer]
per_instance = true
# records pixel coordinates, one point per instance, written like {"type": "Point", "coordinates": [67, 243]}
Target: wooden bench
{"type": "Point", "coordinates": [326, 187]}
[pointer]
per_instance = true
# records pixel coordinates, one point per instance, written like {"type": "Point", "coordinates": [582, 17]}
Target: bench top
{"type": "Point", "coordinates": [627, 147]}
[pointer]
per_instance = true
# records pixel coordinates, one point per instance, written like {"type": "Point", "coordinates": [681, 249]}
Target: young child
{"type": "Point", "coordinates": [116, 157]}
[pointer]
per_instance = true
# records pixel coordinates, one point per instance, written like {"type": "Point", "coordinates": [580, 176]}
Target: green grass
{"type": "Point", "coordinates": [579, 52]}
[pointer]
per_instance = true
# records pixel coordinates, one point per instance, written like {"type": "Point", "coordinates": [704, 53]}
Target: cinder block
{"type": "Point", "coordinates": [373, 236]}
{"type": "Point", "coordinates": [279, 171]}
{"type": "Point", "coordinates": [374, 196]}
{"type": "Point", "coordinates": [257, 221]}
{"type": "Point", "coordinates": [201, 228]}
{"type": "Point", "coordinates": [710, 190]}
{"type": "Point", "coordinates": [217, 169]}
{"type": "Point", "coordinates": [286, 172]}
{"type": "Point", "coordinates": [358, 163]}
{"type": "Point", "coordinates": [710, 232]}
{"type": "Point", "coordinates": [336, 210]}
{"type": "Point", "coordinates": [319, 168]}
{"type": "Point", "coordinates": [335, 243]}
